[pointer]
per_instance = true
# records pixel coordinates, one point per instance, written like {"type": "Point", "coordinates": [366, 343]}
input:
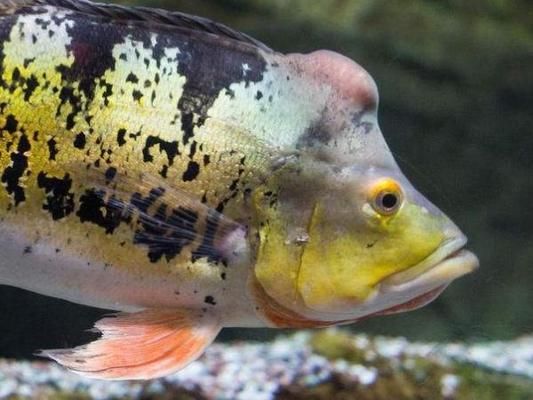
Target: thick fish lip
{"type": "Point", "coordinates": [449, 262]}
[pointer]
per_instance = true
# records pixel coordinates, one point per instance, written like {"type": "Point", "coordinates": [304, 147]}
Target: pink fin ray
{"type": "Point", "coordinates": [143, 345]}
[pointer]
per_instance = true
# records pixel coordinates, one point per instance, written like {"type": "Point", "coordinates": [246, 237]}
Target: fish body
{"type": "Point", "coordinates": [185, 174]}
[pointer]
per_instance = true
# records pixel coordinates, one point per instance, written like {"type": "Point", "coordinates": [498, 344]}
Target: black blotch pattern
{"type": "Point", "coordinates": [26, 84]}
{"type": "Point", "coordinates": [192, 150]}
{"type": "Point", "coordinates": [187, 125]}
{"type": "Point", "coordinates": [12, 174]}
{"type": "Point", "coordinates": [80, 141]}
{"type": "Point", "coordinates": [110, 174]}
{"type": "Point", "coordinates": [93, 209]}
{"type": "Point", "coordinates": [137, 94]}
{"type": "Point", "coordinates": [59, 201]}
{"type": "Point", "coordinates": [170, 148]}
{"type": "Point", "coordinates": [192, 171]}
{"type": "Point", "coordinates": [52, 148]}
{"type": "Point", "coordinates": [11, 124]}
{"type": "Point", "coordinates": [164, 171]}
{"type": "Point", "coordinates": [200, 62]}
{"type": "Point", "coordinates": [108, 91]}
{"type": "Point", "coordinates": [132, 78]}
{"type": "Point", "coordinates": [68, 96]}
{"type": "Point", "coordinates": [121, 137]}
{"type": "Point", "coordinates": [92, 47]}
{"type": "Point", "coordinates": [31, 84]}
{"type": "Point", "coordinates": [8, 21]}
{"type": "Point", "coordinates": [27, 61]}
{"type": "Point", "coordinates": [210, 300]}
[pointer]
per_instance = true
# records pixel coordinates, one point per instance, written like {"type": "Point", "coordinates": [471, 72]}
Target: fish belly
{"type": "Point", "coordinates": [43, 268]}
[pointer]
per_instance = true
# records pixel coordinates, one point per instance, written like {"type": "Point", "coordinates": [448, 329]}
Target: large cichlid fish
{"type": "Point", "coordinates": [184, 174]}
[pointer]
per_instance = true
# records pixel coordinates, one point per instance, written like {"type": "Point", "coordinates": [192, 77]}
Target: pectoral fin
{"type": "Point", "coordinates": [143, 345]}
{"type": "Point", "coordinates": [164, 219]}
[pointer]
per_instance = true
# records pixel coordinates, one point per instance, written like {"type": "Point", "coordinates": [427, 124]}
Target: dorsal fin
{"type": "Point", "coordinates": [8, 7]}
{"type": "Point", "coordinates": [137, 14]}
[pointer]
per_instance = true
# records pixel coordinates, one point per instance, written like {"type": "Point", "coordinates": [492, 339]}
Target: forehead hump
{"type": "Point", "coordinates": [347, 131]}
{"type": "Point", "coordinates": [351, 83]}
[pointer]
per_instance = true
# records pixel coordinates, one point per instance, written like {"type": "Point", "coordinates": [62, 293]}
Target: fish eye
{"type": "Point", "coordinates": [386, 197]}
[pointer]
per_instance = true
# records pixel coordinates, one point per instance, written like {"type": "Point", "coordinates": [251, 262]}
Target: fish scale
{"type": "Point", "coordinates": [83, 107]}
{"type": "Point", "coordinates": [111, 97]}
{"type": "Point", "coordinates": [186, 175]}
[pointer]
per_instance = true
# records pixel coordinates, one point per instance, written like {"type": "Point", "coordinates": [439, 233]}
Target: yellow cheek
{"type": "Point", "coordinates": [339, 271]}
{"type": "Point", "coordinates": [328, 277]}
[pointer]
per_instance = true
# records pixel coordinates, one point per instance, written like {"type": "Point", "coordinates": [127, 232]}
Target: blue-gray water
{"type": "Point", "coordinates": [456, 86]}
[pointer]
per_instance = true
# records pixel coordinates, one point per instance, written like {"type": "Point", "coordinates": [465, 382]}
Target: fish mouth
{"type": "Point", "coordinates": [449, 262]}
{"type": "Point", "coordinates": [418, 285]}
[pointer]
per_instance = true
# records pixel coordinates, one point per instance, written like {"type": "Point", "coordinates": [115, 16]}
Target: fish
{"type": "Point", "coordinates": [190, 178]}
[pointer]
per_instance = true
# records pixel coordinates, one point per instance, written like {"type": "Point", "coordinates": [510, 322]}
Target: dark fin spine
{"type": "Point", "coordinates": [137, 14]}
{"type": "Point", "coordinates": [8, 7]}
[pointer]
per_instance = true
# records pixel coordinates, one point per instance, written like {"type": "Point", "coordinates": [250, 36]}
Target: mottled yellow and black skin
{"type": "Point", "coordinates": [88, 95]}
{"type": "Point", "coordinates": [80, 89]}
{"type": "Point", "coordinates": [153, 160]}
{"type": "Point", "coordinates": [197, 121]}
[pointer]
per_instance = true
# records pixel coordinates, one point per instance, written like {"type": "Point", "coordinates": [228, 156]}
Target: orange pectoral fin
{"type": "Point", "coordinates": [143, 345]}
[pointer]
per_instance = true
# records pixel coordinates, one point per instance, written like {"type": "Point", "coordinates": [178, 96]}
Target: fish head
{"type": "Point", "coordinates": [347, 235]}
{"type": "Point", "coordinates": [374, 243]}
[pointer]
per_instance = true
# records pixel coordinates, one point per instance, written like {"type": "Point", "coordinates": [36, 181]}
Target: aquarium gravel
{"type": "Point", "coordinates": [260, 370]}
{"type": "Point", "coordinates": [513, 358]}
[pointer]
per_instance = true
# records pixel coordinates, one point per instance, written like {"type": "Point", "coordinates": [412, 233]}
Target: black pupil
{"type": "Point", "coordinates": [389, 201]}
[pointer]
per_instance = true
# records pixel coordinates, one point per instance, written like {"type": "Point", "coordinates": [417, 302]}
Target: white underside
{"type": "Point", "coordinates": [61, 275]}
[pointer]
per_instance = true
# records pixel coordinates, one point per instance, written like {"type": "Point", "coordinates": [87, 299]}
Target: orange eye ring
{"type": "Point", "coordinates": [386, 197]}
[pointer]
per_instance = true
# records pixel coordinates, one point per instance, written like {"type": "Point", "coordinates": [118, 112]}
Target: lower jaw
{"type": "Point", "coordinates": [414, 303]}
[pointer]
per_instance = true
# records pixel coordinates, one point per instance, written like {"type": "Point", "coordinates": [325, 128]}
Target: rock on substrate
{"type": "Point", "coordinates": [329, 364]}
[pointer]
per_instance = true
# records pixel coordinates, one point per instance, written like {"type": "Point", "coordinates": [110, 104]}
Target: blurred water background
{"type": "Point", "coordinates": [456, 85]}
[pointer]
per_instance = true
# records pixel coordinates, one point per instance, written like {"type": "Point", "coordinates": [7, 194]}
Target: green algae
{"type": "Point", "coordinates": [405, 377]}
{"type": "Point", "coordinates": [479, 384]}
